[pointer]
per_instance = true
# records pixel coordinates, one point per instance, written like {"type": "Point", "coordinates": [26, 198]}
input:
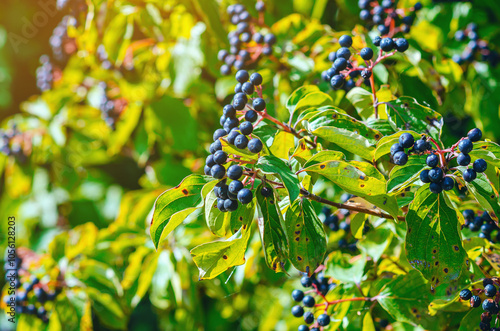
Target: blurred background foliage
{"type": "Point", "coordinates": [82, 183]}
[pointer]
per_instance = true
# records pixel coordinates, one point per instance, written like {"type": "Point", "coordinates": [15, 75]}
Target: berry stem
{"type": "Point", "coordinates": [374, 96]}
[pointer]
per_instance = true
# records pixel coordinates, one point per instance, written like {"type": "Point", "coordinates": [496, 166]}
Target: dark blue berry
{"type": "Point", "coordinates": [297, 311]}
{"type": "Point", "coordinates": [207, 170]}
{"type": "Point", "coordinates": [479, 165]}
{"type": "Point", "coordinates": [297, 295]}
{"type": "Point", "coordinates": [215, 146]}
{"type": "Point", "coordinates": [387, 44]}
{"type": "Point", "coordinates": [218, 171]}
{"type": "Point", "coordinates": [303, 328]}
{"type": "Point", "coordinates": [247, 88]}
{"type": "Point", "coordinates": [490, 306]}
{"type": "Point", "coordinates": [376, 41]}
{"type": "Point", "coordinates": [396, 148]}
{"type": "Point", "coordinates": [246, 128]}
{"type": "Point", "coordinates": [406, 140]}
{"type": "Point", "coordinates": [344, 52]}
{"type": "Point", "coordinates": [432, 160]}
{"type": "Point", "coordinates": [345, 41]}
{"type": "Point", "coordinates": [490, 290]}
{"type": "Point", "coordinates": [463, 159]}
{"type": "Point", "coordinates": [209, 161]}
{"type": "Point", "coordinates": [259, 104]}
{"type": "Point", "coordinates": [232, 136]}
{"type": "Point", "coordinates": [245, 196]}
{"type": "Point", "coordinates": [251, 116]}
{"type": "Point", "coordinates": [220, 157]}
{"type": "Point", "coordinates": [421, 145]}
{"type": "Point", "coordinates": [468, 214]}
{"type": "Point", "coordinates": [230, 124]}
{"type": "Point", "coordinates": [332, 56]}
{"type": "Point", "coordinates": [306, 281]}
{"type": "Point", "coordinates": [219, 133]}
{"type": "Point", "coordinates": [448, 183]}
{"type": "Point", "coordinates": [337, 81]}
{"type": "Point", "coordinates": [308, 317]}
{"type": "Point", "coordinates": [242, 76]}
{"type": "Point", "coordinates": [366, 73]}
{"type": "Point", "coordinates": [400, 158]}
{"type": "Point", "coordinates": [235, 172]}
{"type": "Point", "coordinates": [465, 294]}
{"type": "Point", "coordinates": [256, 79]}
{"type": "Point", "coordinates": [309, 301]}
{"type": "Point", "coordinates": [270, 39]}
{"type": "Point", "coordinates": [365, 15]}
{"type": "Point", "coordinates": [402, 45]}
{"type": "Point", "coordinates": [366, 53]}
{"type": "Point", "coordinates": [340, 64]}
{"type": "Point", "coordinates": [417, 6]}
{"type": "Point", "coordinates": [436, 175]}
{"type": "Point", "coordinates": [475, 135]}
{"type": "Point", "coordinates": [436, 188]}
{"type": "Point", "coordinates": [225, 70]}
{"type": "Point", "coordinates": [469, 175]}
{"type": "Point", "coordinates": [465, 146]}
{"type": "Point", "coordinates": [229, 111]}
{"type": "Point", "coordinates": [241, 141]}
{"type": "Point", "coordinates": [230, 205]}
{"type": "Point", "coordinates": [235, 186]}
{"type": "Point", "coordinates": [323, 319]}
{"type": "Point", "coordinates": [475, 301]}
{"type": "Point", "coordinates": [255, 145]}
{"type": "Point", "coordinates": [266, 192]}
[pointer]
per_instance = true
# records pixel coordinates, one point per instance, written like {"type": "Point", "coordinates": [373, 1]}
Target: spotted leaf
{"type": "Point", "coordinates": [433, 243]}
{"type": "Point", "coordinates": [272, 234]}
{"type": "Point", "coordinates": [358, 178]}
{"type": "Point", "coordinates": [306, 236]}
{"type": "Point", "coordinates": [174, 205]}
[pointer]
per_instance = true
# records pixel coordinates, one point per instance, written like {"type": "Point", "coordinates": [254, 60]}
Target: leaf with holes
{"type": "Point", "coordinates": [384, 145]}
{"type": "Point", "coordinates": [214, 258]}
{"type": "Point", "coordinates": [433, 243]}
{"type": "Point", "coordinates": [485, 194]}
{"type": "Point", "coordinates": [344, 131]}
{"type": "Point", "coordinates": [228, 222]}
{"type": "Point", "coordinates": [306, 236]}
{"type": "Point", "coordinates": [358, 178]}
{"type": "Point", "coordinates": [272, 234]}
{"type": "Point", "coordinates": [406, 113]}
{"type": "Point", "coordinates": [403, 176]}
{"type": "Point", "coordinates": [175, 204]}
{"type": "Point", "coordinates": [273, 165]}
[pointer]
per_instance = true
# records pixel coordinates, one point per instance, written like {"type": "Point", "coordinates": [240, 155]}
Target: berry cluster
{"type": "Point", "coordinates": [32, 293]}
{"type": "Point", "coordinates": [12, 144]}
{"type": "Point", "coordinates": [62, 45]}
{"type": "Point", "coordinates": [246, 43]}
{"type": "Point", "coordinates": [111, 109]}
{"type": "Point", "coordinates": [341, 221]}
{"type": "Point", "coordinates": [46, 73]}
{"type": "Point", "coordinates": [438, 160]}
{"type": "Point", "coordinates": [385, 15]}
{"type": "Point", "coordinates": [490, 295]}
{"type": "Point", "coordinates": [476, 48]}
{"type": "Point", "coordinates": [74, 6]}
{"type": "Point", "coordinates": [487, 227]}
{"type": "Point", "coordinates": [344, 64]}
{"type": "Point", "coordinates": [239, 135]}
{"type": "Point", "coordinates": [320, 285]}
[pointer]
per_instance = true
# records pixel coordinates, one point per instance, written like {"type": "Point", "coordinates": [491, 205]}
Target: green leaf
{"type": "Point", "coordinates": [433, 243]}
{"type": "Point", "coordinates": [358, 178]}
{"type": "Point", "coordinates": [221, 223]}
{"type": "Point", "coordinates": [487, 150]}
{"type": "Point", "coordinates": [344, 131]}
{"type": "Point", "coordinates": [485, 194]}
{"type": "Point", "coordinates": [344, 269]}
{"type": "Point", "coordinates": [360, 98]}
{"type": "Point", "coordinates": [313, 99]}
{"type": "Point", "coordinates": [306, 236]}
{"type": "Point", "coordinates": [169, 205]}
{"type": "Point", "coordinates": [384, 144]}
{"type": "Point", "coordinates": [282, 144]}
{"type": "Point", "coordinates": [324, 156]}
{"type": "Point", "coordinates": [107, 308]}
{"type": "Point", "coordinates": [273, 165]}
{"type": "Point", "coordinates": [470, 322]}
{"type": "Point", "coordinates": [214, 258]}
{"type": "Point", "coordinates": [272, 234]}
{"type": "Point", "coordinates": [407, 113]}
{"type": "Point", "coordinates": [297, 95]}
{"type": "Point", "coordinates": [402, 176]}
{"type": "Point", "coordinates": [407, 297]}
